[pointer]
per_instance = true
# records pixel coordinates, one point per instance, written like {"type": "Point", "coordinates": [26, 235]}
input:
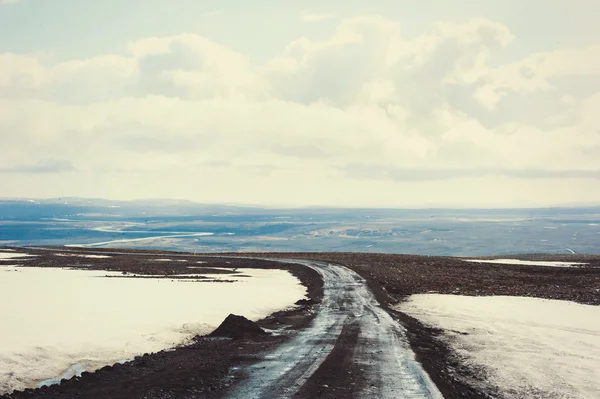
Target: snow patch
{"type": "Point", "coordinates": [213, 268]}
{"type": "Point", "coordinates": [526, 262]}
{"type": "Point", "coordinates": [138, 315]}
{"type": "Point", "coordinates": [85, 256]}
{"type": "Point", "coordinates": [531, 347]}
{"type": "Point", "coordinates": [5, 256]}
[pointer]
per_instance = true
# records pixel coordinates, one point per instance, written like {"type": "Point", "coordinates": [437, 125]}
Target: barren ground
{"type": "Point", "coordinates": [202, 370]}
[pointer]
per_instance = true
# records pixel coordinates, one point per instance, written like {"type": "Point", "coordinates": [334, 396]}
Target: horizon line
{"type": "Point", "coordinates": [300, 207]}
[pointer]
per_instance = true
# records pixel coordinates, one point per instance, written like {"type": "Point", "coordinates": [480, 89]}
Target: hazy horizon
{"type": "Point", "coordinates": [283, 206]}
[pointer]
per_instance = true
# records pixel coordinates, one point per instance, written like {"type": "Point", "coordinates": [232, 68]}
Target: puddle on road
{"type": "Point", "coordinates": [58, 322]}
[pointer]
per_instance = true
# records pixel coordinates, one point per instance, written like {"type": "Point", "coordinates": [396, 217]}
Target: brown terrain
{"type": "Point", "coordinates": [206, 368]}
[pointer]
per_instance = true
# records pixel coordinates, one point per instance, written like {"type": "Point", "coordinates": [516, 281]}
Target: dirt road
{"type": "Point", "coordinates": [343, 346]}
{"type": "Point", "coordinates": [382, 353]}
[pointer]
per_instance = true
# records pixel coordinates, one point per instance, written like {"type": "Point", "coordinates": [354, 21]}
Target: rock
{"type": "Point", "coordinates": [304, 302]}
{"type": "Point", "coordinates": [238, 327]}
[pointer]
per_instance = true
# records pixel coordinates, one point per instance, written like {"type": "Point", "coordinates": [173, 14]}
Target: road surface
{"type": "Point", "coordinates": [383, 351]}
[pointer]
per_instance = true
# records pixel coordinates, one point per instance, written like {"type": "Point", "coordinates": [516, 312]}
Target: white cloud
{"type": "Point", "coordinates": [42, 166]}
{"type": "Point", "coordinates": [211, 14]}
{"type": "Point", "coordinates": [364, 103]}
{"type": "Point", "coordinates": [315, 17]}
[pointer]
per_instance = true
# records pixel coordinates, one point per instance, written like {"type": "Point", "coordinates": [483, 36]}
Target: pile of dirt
{"type": "Point", "coordinates": [237, 327]}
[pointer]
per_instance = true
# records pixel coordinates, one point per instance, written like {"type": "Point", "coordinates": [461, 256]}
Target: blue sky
{"type": "Point", "coordinates": [70, 28]}
{"type": "Point", "coordinates": [379, 103]}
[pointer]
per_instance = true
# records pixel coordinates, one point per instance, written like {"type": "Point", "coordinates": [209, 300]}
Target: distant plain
{"type": "Point", "coordinates": [187, 226]}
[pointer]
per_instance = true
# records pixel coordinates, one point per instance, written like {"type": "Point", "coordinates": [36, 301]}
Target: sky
{"type": "Point", "coordinates": [385, 103]}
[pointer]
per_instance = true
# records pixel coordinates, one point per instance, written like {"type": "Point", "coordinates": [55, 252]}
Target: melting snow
{"type": "Point", "coordinates": [58, 322]}
{"type": "Point", "coordinates": [531, 347]}
{"type": "Point", "coordinates": [5, 256]}
{"type": "Point", "coordinates": [526, 262]}
{"type": "Point", "coordinates": [85, 256]}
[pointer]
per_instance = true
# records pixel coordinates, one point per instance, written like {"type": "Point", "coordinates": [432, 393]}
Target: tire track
{"type": "Point", "coordinates": [383, 351]}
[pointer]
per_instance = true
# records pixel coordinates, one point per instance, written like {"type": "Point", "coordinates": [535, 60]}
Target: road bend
{"type": "Point", "coordinates": [382, 350]}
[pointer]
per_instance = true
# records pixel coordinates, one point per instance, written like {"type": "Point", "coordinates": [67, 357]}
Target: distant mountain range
{"type": "Point", "coordinates": [183, 204]}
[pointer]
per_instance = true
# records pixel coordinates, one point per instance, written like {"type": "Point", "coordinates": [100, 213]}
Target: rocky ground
{"type": "Point", "coordinates": [203, 369]}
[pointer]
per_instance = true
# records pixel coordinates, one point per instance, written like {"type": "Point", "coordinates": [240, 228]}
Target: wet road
{"type": "Point", "coordinates": [382, 351]}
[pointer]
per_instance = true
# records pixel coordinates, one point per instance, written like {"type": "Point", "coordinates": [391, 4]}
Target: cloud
{"type": "Point", "coordinates": [8, 1]}
{"type": "Point", "coordinates": [315, 17]}
{"type": "Point", "coordinates": [374, 171]}
{"type": "Point", "coordinates": [363, 103]}
{"type": "Point", "coordinates": [211, 14]}
{"type": "Point", "coordinates": [308, 151]}
{"type": "Point", "coordinates": [42, 166]}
